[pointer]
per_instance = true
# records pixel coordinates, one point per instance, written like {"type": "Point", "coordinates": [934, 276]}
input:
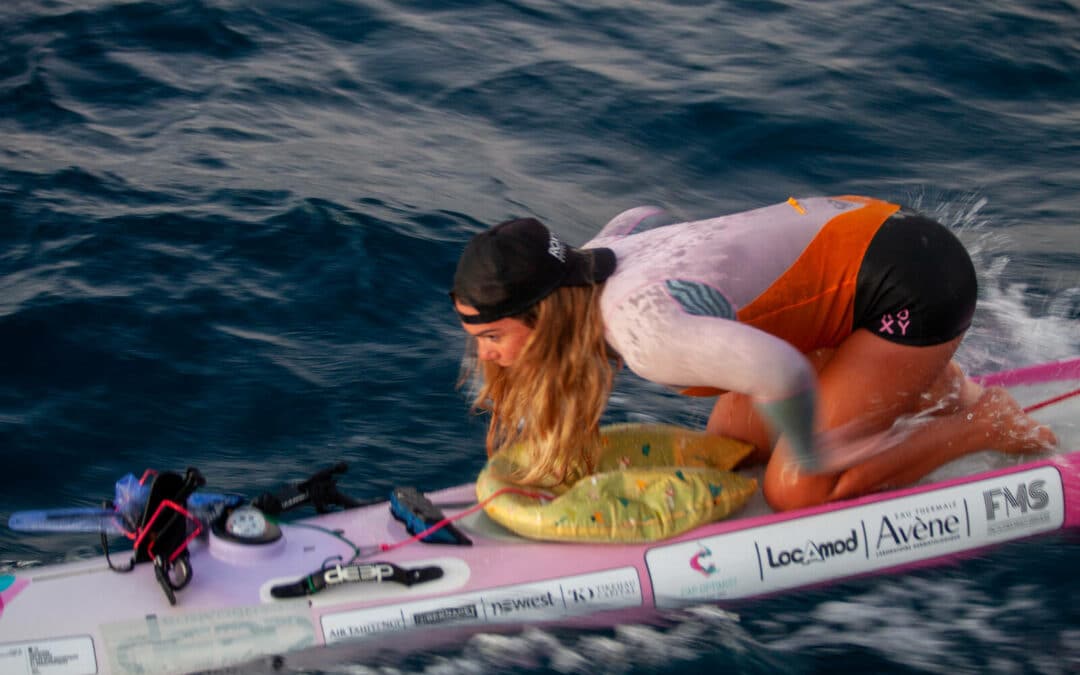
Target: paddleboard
{"type": "Point", "coordinates": [250, 599]}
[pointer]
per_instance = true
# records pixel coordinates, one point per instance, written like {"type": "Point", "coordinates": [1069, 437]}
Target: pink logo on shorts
{"type": "Point", "coordinates": [901, 321]}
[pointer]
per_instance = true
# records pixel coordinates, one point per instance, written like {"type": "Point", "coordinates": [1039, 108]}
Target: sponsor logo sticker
{"type": "Point", "coordinates": [1014, 506]}
{"type": "Point", "coordinates": [707, 569]}
{"type": "Point", "coordinates": [604, 593]}
{"type": "Point", "coordinates": [541, 601]}
{"type": "Point", "coordinates": [904, 530]}
{"type": "Point", "coordinates": [63, 656]}
{"type": "Point", "coordinates": [351, 630]}
{"type": "Point", "coordinates": [515, 605]}
{"type": "Point", "coordinates": [702, 562]}
{"type": "Point", "coordinates": [858, 539]}
{"type": "Point", "coordinates": [813, 551]}
{"type": "Point", "coordinates": [446, 615]}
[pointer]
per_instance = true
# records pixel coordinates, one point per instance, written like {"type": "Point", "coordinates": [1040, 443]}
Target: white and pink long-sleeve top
{"type": "Point", "coordinates": [732, 303]}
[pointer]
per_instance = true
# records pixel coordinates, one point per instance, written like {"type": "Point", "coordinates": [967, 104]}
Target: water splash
{"type": "Point", "coordinates": [1011, 326]}
{"type": "Point", "coordinates": [929, 624]}
{"type": "Point", "coordinates": [687, 639]}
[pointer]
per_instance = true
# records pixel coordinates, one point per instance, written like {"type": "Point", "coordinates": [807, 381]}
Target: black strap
{"type": "Point", "coordinates": [162, 536]}
{"type": "Point", "coordinates": [363, 573]}
{"type": "Point", "coordinates": [172, 576]}
{"type": "Point", "coordinates": [165, 535]}
{"type": "Point", "coordinates": [320, 490]}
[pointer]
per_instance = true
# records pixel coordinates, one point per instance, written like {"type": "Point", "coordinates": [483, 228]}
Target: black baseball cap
{"type": "Point", "coordinates": [514, 265]}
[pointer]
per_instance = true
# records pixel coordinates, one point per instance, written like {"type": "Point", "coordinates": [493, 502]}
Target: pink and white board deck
{"type": "Point", "coordinates": [82, 618]}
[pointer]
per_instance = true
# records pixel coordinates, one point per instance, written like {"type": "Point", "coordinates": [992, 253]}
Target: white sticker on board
{"type": "Point", "coordinates": [858, 540]}
{"type": "Point", "coordinates": [61, 656]}
{"type": "Point", "coordinates": [197, 641]}
{"type": "Point", "coordinates": [541, 601]}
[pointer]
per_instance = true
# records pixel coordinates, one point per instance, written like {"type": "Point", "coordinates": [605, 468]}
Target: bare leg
{"type": "Point", "coordinates": [995, 421]}
{"type": "Point", "coordinates": [871, 382]}
{"type": "Point", "coordinates": [735, 416]}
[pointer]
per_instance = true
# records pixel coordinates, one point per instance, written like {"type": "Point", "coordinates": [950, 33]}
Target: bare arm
{"type": "Point", "coordinates": [675, 348]}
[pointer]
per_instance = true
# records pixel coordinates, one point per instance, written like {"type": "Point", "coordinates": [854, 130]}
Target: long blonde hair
{"type": "Point", "coordinates": [552, 397]}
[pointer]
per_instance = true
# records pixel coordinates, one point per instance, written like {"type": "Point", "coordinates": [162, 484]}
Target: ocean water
{"type": "Point", "coordinates": [227, 229]}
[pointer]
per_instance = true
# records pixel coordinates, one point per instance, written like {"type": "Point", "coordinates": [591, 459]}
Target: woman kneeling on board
{"type": "Point", "coordinates": [819, 322]}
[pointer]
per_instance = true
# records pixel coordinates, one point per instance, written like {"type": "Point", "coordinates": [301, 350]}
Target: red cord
{"type": "Point", "coordinates": [537, 495]}
{"type": "Point", "coordinates": [168, 504]}
{"type": "Point", "coordinates": [472, 509]}
{"type": "Point", "coordinates": [1050, 401]}
{"type": "Point", "coordinates": [501, 491]}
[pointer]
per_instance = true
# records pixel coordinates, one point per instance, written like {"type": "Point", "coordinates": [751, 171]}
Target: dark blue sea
{"type": "Point", "coordinates": [227, 229]}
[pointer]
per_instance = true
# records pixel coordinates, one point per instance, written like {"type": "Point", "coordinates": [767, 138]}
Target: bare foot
{"type": "Point", "coordinates": [1008, 427]}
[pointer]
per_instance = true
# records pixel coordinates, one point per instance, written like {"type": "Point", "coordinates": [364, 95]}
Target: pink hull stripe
{"type": "Point", "coordinates": [1046, 372]}
{"type": "Point", "coordinates": [1067, 465]}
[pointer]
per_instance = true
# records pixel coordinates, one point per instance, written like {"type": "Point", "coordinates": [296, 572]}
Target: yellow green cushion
{"type": "Point", "coordinates": [653, 481]}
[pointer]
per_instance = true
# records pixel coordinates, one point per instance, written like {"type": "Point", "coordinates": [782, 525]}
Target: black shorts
{"type": "Point", "coordinates": [916, 284]}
